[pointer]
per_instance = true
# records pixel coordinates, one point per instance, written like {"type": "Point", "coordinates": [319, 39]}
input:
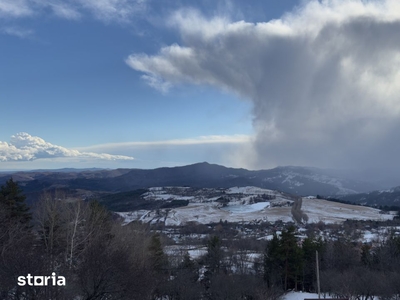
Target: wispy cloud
{"type": "Point", "coordinates": [16, 8]}
{"type": "Point", "coordinates": [324, 79]}
{"type": "Point", "coordinates": [17, 31]}
{"type": "Point", "coordinates": [201, 140]}
{"type": "Point", "coordinates": [221, 149]}
{"type": "Point", "coordinates": [104, 10]}
{"type": "Point", "coordinates": [113, 10]}
{"type": "Point", "coordinates": [65, 10]}
{"type": "Point", "coordinates": [24, 147]}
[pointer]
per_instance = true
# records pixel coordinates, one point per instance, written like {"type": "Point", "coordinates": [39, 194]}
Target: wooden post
{"type": "Point", "coordinates": [319, 292]}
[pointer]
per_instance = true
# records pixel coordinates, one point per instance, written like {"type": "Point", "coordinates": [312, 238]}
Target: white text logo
{"type": "Point", "coordinates": [41, 280]}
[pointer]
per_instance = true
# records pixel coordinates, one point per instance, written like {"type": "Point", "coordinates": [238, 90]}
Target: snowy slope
{"type": "Point", "coordinates": [299, 296]}
{"type": "Point", "coordinates": [244, 204]}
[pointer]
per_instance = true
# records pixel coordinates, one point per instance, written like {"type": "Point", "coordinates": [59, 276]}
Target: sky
{"type": "Point", "coordinates": [253, 84]}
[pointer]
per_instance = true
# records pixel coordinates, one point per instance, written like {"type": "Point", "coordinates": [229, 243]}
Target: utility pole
{"type": "Point", "coordinates": [319, 291]}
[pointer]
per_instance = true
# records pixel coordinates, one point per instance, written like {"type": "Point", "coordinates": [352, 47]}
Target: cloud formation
{"type": "Point", "coordinates": [16, 31]}
{"type": "Point", "coordinates": [104, 10]}
{"type": "Point", "coordinates": [24, 147]}
{"type": "Point", "coordinates": [324, 79]}
{"type": "Point", "coordinates": [155, 154]}
{"type": "Point", "coordinates": [15, 8]}
{"type": "Point", "coordinates": [201, 140]}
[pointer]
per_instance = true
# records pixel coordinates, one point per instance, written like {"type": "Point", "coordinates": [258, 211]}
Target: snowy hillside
{"type": "Point", "coordinates": [299, 296]}
{"type": "Point", "coordinates": [389, 197]}
{"type": "Point", "coordinates": [297, 179]}
{"type": "Point", "coordinates": [244, 204]}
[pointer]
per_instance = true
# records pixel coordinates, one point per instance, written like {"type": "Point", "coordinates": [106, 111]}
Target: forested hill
{"type": "Point", "coordinates": [295, 180]}
{"type": "Point", "coordinates": [389, 198]}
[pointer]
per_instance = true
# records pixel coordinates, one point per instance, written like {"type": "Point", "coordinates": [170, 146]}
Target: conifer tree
{"type": "Point", "coordinates": [156, 252]}
{"type": "Point", "coordinates": [310, 246]}
{"type": "Point", "coordinates": [283, 261]}
{"type": "Point", "coordinates": [292, 258]}
{"type": "Point", "coordinates": [13, 200]}
{"type": "Point", "coordinates": [273, 263]}
{"type": "Point", "coordinates": [188, 269]}
{"type": "Point", "coordinates": [214, 254]}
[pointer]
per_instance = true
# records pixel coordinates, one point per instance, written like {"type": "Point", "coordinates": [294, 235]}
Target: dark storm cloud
{"type": "Point", "coordinates": [324, 80]}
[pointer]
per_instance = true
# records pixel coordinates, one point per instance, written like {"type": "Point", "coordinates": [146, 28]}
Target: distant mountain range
{"type": "Point", "coordinates": [389, 197]}
{"type": "Point", "coordinates": [302, 181]}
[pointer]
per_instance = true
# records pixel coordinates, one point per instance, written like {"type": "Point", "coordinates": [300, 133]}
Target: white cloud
{"type": "Point", "coordinates": [65, 11]}
{"type": "Point", "coordinates": [201, 140]}
{"type": "Point", "coordinates": [15, 8]}
{"type": "Point", "coordinates": [113, 10]}
{"type": "Point", "coordinates": [324, 79]}
{"type": "Point", "coordinates": [17, 31]}
{"type": "Point", "coordinates": [24, 147]}
{"type": "Point", "coordinates": [154, 154]}
{"type": "Point", "coordinates": [157, 83]}
{"type": "Point", "coordinates": [104, 10]}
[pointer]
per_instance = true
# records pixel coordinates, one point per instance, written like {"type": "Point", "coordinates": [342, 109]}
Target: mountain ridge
{"type": "Point", "coordinates": [296, 180]}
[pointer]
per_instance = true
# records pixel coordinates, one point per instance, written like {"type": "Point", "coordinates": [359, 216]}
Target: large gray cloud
{"type": "Point", "coordinates": [324, 79]}
{"type": "Point", "coordinates": [24, 147]}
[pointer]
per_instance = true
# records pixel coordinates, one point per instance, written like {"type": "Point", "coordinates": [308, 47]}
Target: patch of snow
{"type": "Point", "coordinates": [156, 189]}
{"type": "Point", "coordinates": [266, 238]}
{"type": "Point", "coordinates": [246, 208]}
{"type": "Point", "coordinates": [289, 179]}
{"type": "Point", "coordinates": [248, 190]}
{"type": "Point", "coordinates": [369, 237]}
{"type": "Point", "coordinates": [197, 253]}
{"type": "Point", "coordinates": [299, 296]}
{"type": "Point", "coordinates": [332, 212]}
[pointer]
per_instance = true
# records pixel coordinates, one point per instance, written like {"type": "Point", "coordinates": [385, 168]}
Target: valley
{"type": "Point", "coordinates": [241, 205]}
{"type": "Point", "coordinates": [231, 239]}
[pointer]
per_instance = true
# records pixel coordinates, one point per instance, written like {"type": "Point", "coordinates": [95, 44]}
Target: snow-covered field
{"type": "Point", "coordinates": [237, 204]}
{"type": "Point", "coordinates": [205, 213]}
{"type": "Point", "coordinates": [179, 250]}
{"type": "Point", "coordinates": [249, 190]}
{"type": "Point", "coordinates": [246, 208]}
{"type": "Point", "coordinates": [332, 212]}
{"type": "Point", "coordinates": [299, 296]}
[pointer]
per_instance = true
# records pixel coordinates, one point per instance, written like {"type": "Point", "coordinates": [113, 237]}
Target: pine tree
{"type": "Point", "coordinates": [214, 254]}
{"type": "Point", "coordinates": [366, 255]}
{"type": "Point", "coordinates": [273, 263]}
{"type": "Point", "coordinates": [13, 200]}
{"type": "Point", "coordinates": [158, 257]}
{"type": "Point", "coordinates": [189, 269]}
{"type": "Point", "coordinates": [309, 246]}
{"type": "Point", "coordinates": [292, 258]}
{"type": "Point", "coordinates": [283, 261]}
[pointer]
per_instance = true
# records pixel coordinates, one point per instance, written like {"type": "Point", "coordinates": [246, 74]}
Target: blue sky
{"type": "Point", "coordinates": [245, 84]}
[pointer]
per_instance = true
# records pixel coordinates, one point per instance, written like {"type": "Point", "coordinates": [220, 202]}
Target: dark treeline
{"type": "Point", "coordinates": [101, 259]}
{"type": "Point", "coordinates": [80, 241]}
{"type": "Point", "coordinates": [348, 269]}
